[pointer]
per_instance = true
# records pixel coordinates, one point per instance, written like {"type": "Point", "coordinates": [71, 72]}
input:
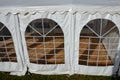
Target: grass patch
{"type": "Point", "coordinates": [6, 76]}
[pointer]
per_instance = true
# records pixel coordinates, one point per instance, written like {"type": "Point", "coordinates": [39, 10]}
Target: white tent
{"type": "Point", "coordinates": [90, 36]}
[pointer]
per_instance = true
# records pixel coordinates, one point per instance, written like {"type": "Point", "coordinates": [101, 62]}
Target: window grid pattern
{"type": "Point", "coordinates": [7, 50]}
{"type": "Point", "coordinates": [92, 50]}
{"type": "Point", "coordinates": [45, 44]}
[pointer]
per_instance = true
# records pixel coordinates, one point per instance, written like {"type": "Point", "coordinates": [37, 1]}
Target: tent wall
{"type": "Point", "coordinates": [71, 23]}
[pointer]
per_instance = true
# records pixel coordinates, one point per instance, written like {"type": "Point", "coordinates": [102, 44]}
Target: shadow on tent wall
{"type": "Point", "coordinates": [116, 68]}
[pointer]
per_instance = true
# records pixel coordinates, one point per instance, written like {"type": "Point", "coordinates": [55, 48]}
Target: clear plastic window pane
{"type": "Point", "coordinates": [98, 43]}
{"type": "Point", "coordinates": [45, 42]}
{"type": "Point", "coordinates": [7, 50]}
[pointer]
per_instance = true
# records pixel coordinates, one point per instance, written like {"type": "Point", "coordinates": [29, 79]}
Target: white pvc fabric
{"type": "Point", "coordinates": [81, 21]}
{"type": "Point", "coordinates": [62, 20]}
{"type": "Point", "coordinates": [71, 22]}
{"type": "Point", "coordinates": [11, 23]}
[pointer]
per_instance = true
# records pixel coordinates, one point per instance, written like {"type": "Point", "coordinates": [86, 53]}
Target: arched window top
{"type": "Point", "coordinates": [101, 27]}
{"type": "Point", "coordinates": [45, 26]}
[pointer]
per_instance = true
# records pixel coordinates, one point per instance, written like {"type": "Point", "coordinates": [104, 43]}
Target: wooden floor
{"type": "Point", "coordinates": [52, 51]}
{"type": "Point", "coordinates": [93, 53]}
{"type": "Point", "coordinates": [7, 50]}
{"type": "Point", "coordinates": [49, 51]}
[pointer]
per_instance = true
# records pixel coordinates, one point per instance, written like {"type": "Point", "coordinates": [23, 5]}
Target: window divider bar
{"type": "Point", "coordinates": [35, 30]}
{"type": "Point", "coordinates": [92, 30]}
{"type": "Point", "coordinates": [108, 51]}
{"type": "Point", "coordinates": [45, 50]}
{"type": "Point", "coordinates": [98, 52]}
{"type": "Point", "coordinates": [88, 52]}
{"type": "Point", "coordinates": [109, 31]}
{"type": "Point", "coordinates": [2, 28]}
{"type": "Point", "coordinates": [43, 27]}
{"type": "Point", "coordinates": [51, 30]}
{"type": "Point", "coordinates": [6, 48]}
{"type": "Point", "coordinates": [54, 48]}
{"type": "Point", "coordinates": [101, 27]}
{"type": "Point", "coordinates": [36, 55]}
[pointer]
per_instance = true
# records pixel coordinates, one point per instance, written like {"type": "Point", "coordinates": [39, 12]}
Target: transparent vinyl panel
{"type": "Point", "coordinates": [45, 42]}
{"type": "Point", "coordinates": [98, 43]}
{"type": "Point", "coordinates": [7, 50]}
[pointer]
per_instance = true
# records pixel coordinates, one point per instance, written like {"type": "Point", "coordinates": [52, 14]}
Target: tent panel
{"type": "Point", "coordinates": [45, 42]}
{"type": "Point", "coordinates": [94, 57]}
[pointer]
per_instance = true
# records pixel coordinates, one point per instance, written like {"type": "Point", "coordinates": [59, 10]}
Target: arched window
{"type": "Point", "coordinates": [7, 50]}
{"type": "Point", "coordinates": [98, 43]}
{"type": "Point", "coordinates": [45, 42]}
